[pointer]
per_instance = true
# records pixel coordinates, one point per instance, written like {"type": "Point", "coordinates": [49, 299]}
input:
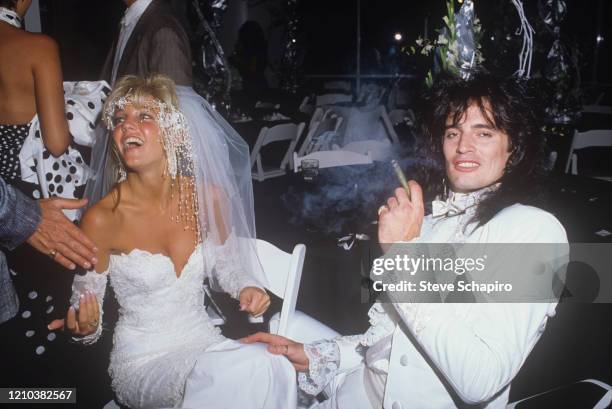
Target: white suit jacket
{"type": "Point", "coordinates": [449, 355]}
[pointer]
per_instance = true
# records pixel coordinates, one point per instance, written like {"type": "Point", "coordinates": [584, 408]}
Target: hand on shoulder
{"type": "Point", "coordinates": [100, 223]}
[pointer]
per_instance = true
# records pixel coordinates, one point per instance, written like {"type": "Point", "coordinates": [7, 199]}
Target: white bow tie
{"type": "Point", "coordinates": [441, 208]}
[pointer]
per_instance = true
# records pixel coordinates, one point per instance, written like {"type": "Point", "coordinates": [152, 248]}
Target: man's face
{"type": "Point", "coordinates": [475, 152]}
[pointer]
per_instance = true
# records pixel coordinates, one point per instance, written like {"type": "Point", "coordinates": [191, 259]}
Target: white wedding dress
{"type": "Point", "coordinates": [167, 353]}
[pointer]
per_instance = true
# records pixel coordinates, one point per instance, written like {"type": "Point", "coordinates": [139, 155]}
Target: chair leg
{"type": "Point", "coordinates": [260, 173]}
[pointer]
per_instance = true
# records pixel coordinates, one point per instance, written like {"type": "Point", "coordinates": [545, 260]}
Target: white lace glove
{"type": "Point", "coordinates": [96, 283]}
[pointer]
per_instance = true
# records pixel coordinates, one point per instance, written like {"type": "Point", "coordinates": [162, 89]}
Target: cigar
{"type": "Point", "coordinates": [401, 176]}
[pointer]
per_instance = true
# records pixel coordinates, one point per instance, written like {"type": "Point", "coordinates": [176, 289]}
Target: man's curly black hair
{"type": "Point", "coordinates": [506, 105]}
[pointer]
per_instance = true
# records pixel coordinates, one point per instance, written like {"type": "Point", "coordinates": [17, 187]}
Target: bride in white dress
{"type": "Point", "coordinates": [180, 210]}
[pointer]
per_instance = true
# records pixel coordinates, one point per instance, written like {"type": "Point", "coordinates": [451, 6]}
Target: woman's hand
{"type": "Point", "coordinates": [294, 351]}
{"type": "Point", "coordinates": [402, 217]}
{"type": "Point", "coordinates": [83, 323]}
{"type": "Point", "coordinates": [254, 300]}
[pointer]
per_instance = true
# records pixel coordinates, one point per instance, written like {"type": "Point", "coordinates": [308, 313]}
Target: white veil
{"type": "Point", "coordinates": [222, 177]}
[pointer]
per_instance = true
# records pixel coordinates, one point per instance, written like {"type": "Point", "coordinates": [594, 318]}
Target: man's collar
{"type": "Point", "coordinates": [458, 203]}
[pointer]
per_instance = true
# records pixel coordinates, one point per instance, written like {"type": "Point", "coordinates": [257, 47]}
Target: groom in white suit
{"type": "Point", "coordinates": [421, 354]}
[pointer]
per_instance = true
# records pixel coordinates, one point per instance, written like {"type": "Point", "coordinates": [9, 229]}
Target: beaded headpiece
{"type": "Point", "coordinates": [175, 139]}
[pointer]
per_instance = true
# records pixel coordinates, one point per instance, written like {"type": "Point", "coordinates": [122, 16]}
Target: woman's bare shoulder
{"type": "Point", "coordinates": [32, 50]}
{"type": "Point", "coordinates": [100, 220]}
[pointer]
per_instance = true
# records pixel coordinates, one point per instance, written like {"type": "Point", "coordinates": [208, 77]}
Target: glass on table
{"type": "Point", "coordinates": [310, 169]}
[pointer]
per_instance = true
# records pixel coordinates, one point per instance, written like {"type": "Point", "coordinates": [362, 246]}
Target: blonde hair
{"type": "Point", "coordinates": [138, 89]}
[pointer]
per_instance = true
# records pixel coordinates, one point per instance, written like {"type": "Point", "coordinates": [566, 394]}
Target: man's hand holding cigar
{"type": "Point", "coordinates": [402, 217]}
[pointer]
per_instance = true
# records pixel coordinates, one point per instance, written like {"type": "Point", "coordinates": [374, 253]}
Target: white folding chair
{"type": "Point", "coordinates": [328, 123]}
{"type": "Point", "coordinates": [378, 150]}
{"type": "Point", "coordinates": [282, 132]}
{"type": "Point", "coordinates": [317, 116]}
{"type": "Point", "coordinates": [593, 138]}
{"type": "Point", "coordinates": [329, 99]}
{"type": "Point", "coordinates": [330, 159]}
{"type": "Point", "coordinates": [284, 273]}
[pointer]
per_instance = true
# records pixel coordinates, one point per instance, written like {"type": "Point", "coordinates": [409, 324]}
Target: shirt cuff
{"type": "Point", "coordinates": [324, 360]}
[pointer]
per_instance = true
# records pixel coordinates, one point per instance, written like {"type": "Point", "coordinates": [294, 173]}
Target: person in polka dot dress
{"type": "Point", "coordinates": [32, 87]}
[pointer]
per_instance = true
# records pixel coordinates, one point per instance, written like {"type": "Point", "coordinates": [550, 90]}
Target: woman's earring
{"type": "Point", "coordinates": [121, 173]}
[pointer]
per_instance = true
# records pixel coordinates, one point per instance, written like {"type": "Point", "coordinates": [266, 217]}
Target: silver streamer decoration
{"type": "Point", "coordinates": [213, 60]}
{"type": "Point", "coordinates": [290, 61]}
{"type": "Point", "coordinates": [553, 12]}
{"type": "Point", "coordinates": [559, 70]}
{"type": "Point", "coordinates": [466, 45]}
{"type": "Point", "coordinates": [527, 31]}
{"type": "Point", "coordinates": [218, 8]}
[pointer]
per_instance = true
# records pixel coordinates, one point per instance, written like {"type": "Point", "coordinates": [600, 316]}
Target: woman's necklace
{"type": "Point", "coordinates": [10, 16]}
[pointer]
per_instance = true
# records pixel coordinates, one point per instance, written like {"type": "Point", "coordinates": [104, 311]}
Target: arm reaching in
{"type": "Point", "coordinates": [317, 363]}
{"type": "Point", "coordinates": [294, 351]}
{"type": "Point", "coordinates": [84, 317]}
{"type": "Point", "coordinates": [58, 237]}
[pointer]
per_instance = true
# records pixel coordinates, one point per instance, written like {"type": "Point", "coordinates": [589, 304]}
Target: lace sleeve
{"type": "Point", "coordinates": [324, 361]}
{"type": "Point", "coordinates": [228, 271]}
{"type": "Point", "coordinates": [95, 282]}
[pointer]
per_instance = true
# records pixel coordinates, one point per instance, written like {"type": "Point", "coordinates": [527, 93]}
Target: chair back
{"type": "Point", "coordinates": [317, 115]}
{"type": "Point", "coordinates": [284, 273]}
{"type": "Point", "coordinates": [282, 132]}
{"type": "Point", "coordinates": [593, 138]}
{"type": "Point", "coordinates": [328, 123]}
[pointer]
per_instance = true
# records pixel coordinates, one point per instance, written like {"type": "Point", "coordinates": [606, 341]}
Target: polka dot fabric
{"type": "Point", "coordinates": [11, 141]}
{"type": "Point", "coordinates": [65, 175]}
